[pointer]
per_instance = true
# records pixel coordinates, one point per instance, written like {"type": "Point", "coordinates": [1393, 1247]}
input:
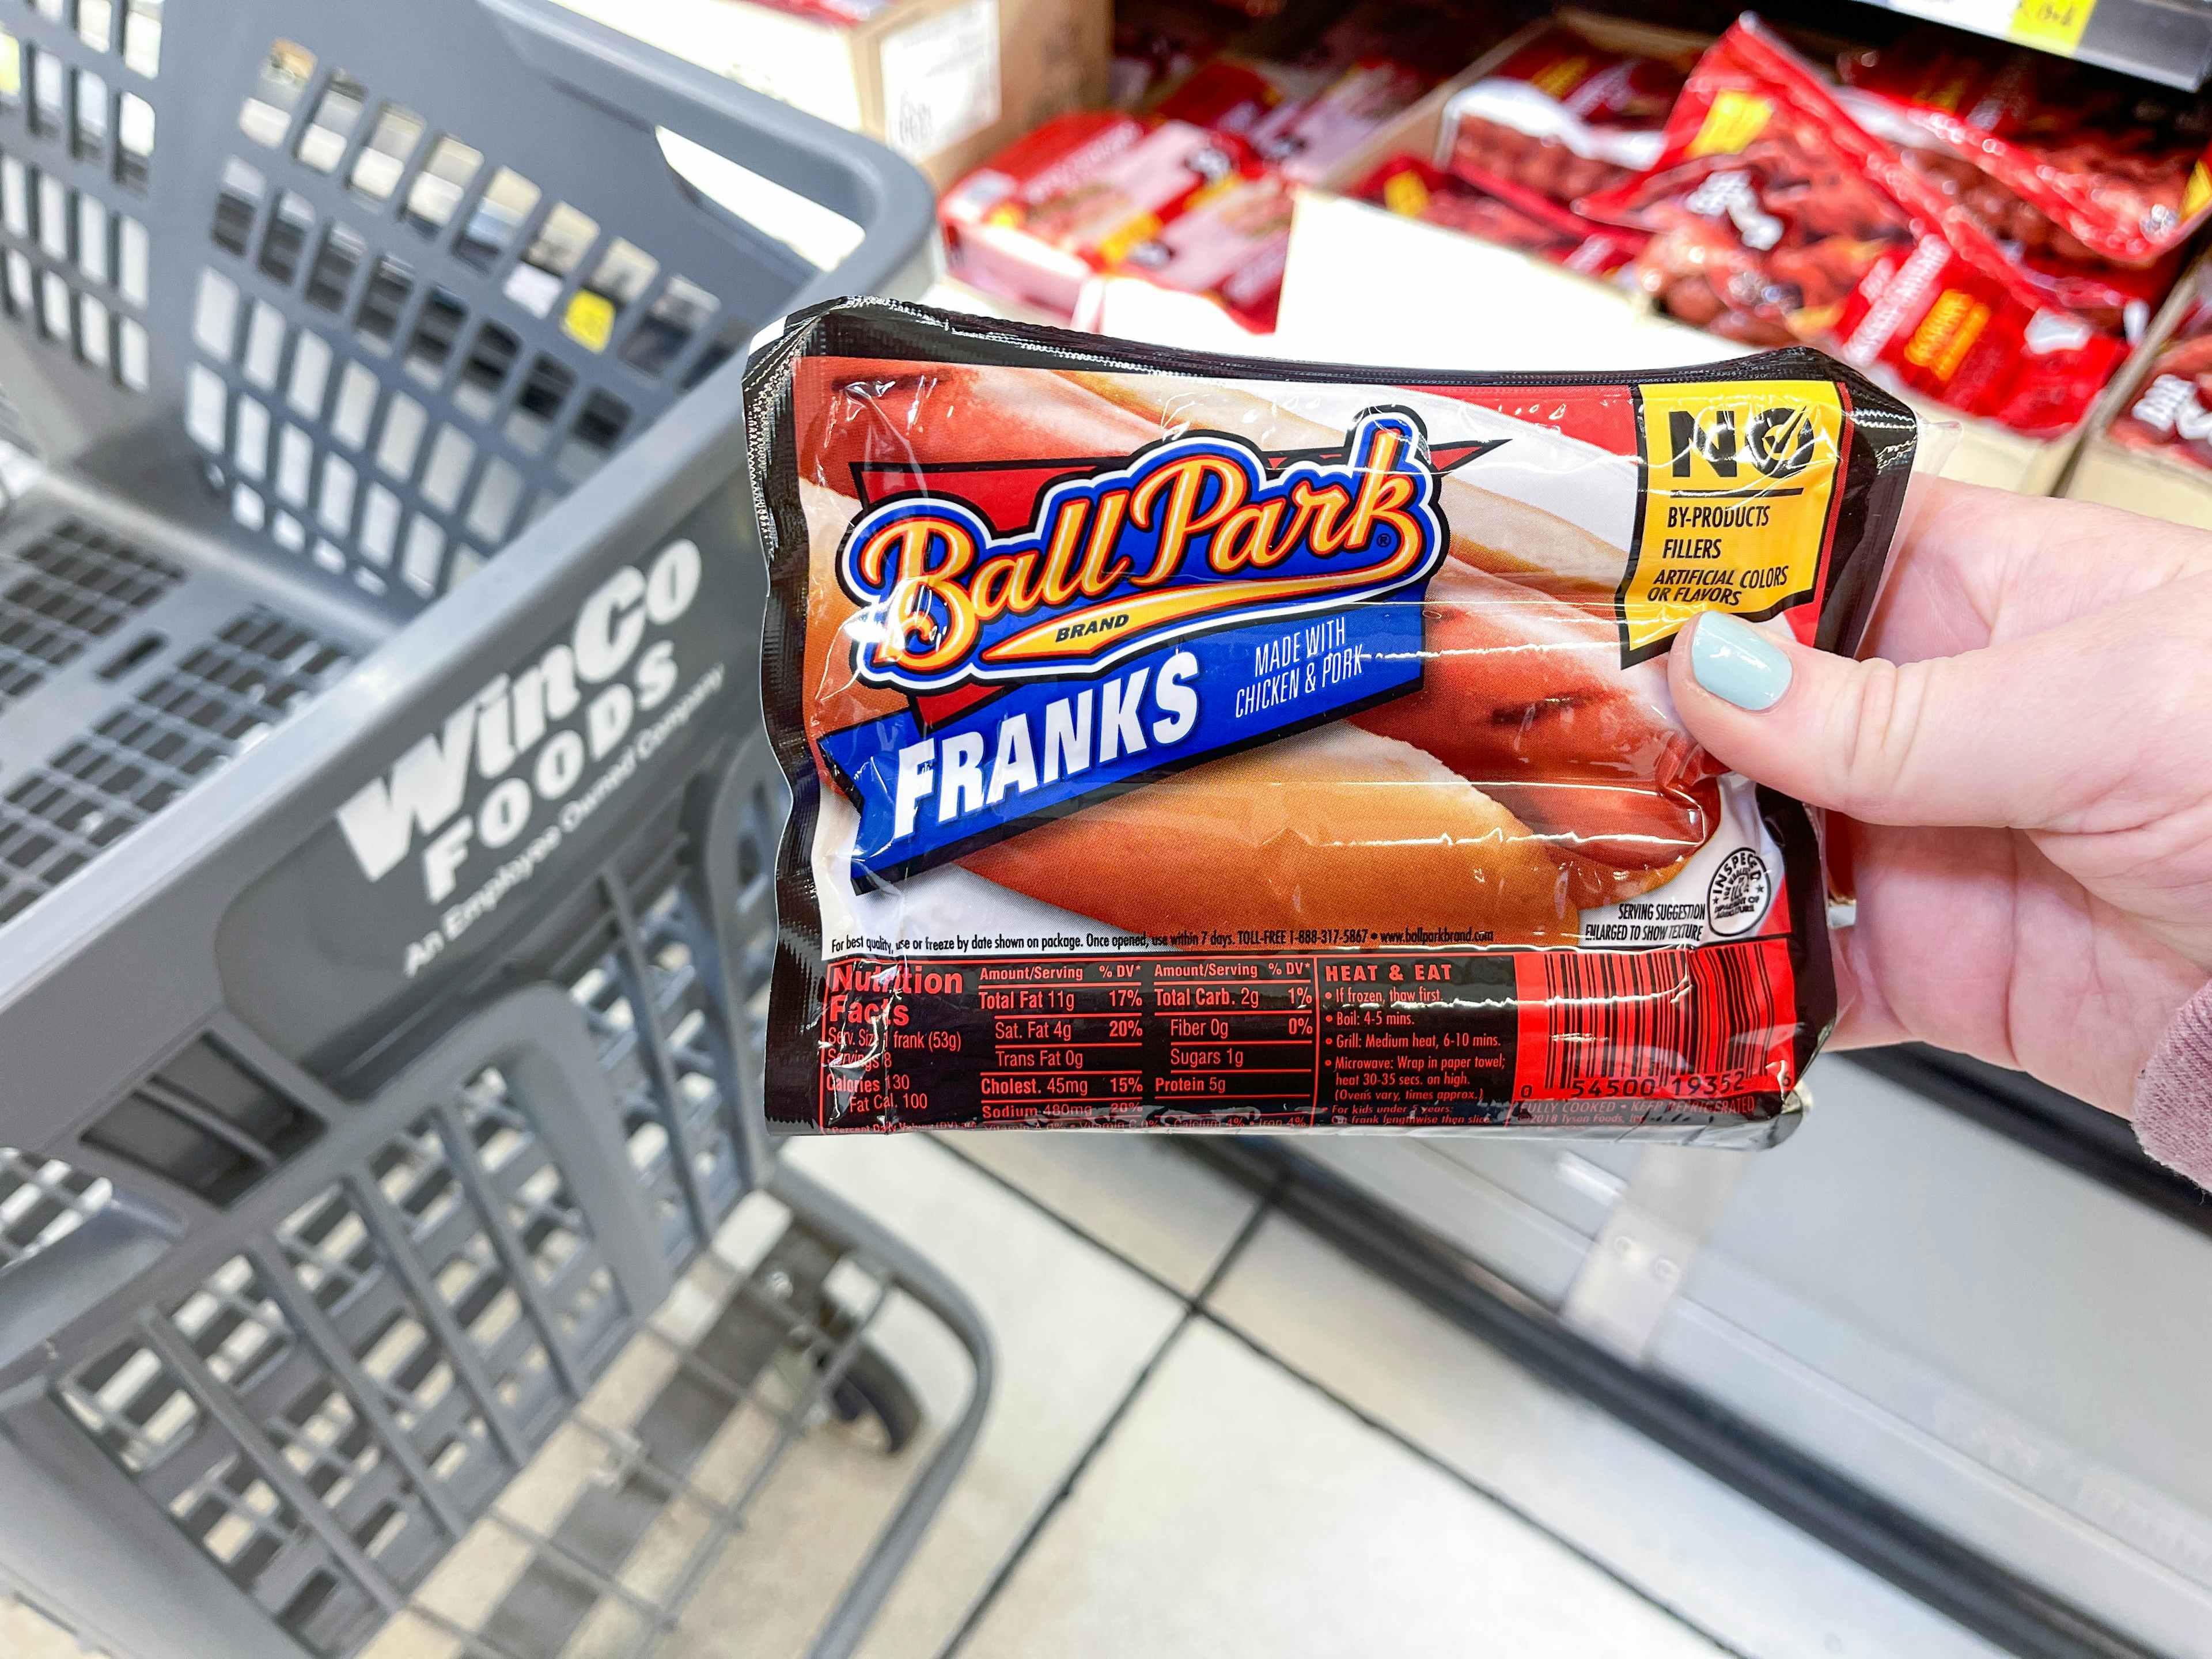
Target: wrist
{"type": "Point", "coordinates": [2173, 1092]}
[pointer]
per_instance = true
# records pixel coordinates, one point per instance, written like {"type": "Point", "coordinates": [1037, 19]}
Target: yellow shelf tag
{"type": "Point", "coordinates": [2053, 25]}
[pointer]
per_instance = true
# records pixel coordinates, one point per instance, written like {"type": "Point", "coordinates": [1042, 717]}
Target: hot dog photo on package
{"type": "Point", "coordinates": [1178, 741]}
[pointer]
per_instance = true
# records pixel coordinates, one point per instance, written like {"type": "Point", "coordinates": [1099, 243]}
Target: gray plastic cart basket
{"type": "Point", "coordinates": [380, 967]}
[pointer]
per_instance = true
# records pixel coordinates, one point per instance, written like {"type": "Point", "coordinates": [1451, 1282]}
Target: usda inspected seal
{"type": "Point", "coordinates": [1738, 895]}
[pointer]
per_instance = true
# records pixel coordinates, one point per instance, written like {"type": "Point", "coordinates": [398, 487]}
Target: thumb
{"type": "Point", "coordinates": [1975, 739]}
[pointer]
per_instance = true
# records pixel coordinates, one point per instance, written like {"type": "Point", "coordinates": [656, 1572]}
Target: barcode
{"type": "Point", "coordinates": [1706, 1015]}
{"type": "Point", "coordinates": [914, 131]}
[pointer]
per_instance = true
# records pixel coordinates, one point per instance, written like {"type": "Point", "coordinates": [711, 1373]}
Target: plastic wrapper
{"type": "Point", "coordinates": [1074, 198]}
{"type": "Point", "coordinates": [1229, 244]}
{"type": "Point", "coordinates": [1321, 86]}
{"type": "Point", "coordinates": [1305, 142]}
{"type": "Point", "coordinates": [1978, 175]}
{"type": "Point", "coordinates": [1438, 37]}
{"type": "Point", "coordinates": [1562, 118]}
{"type": "Point", "coordinates": [2055, 154]}
{"type": "Point", "coordinates": [1774, 216]}
{"type": "Point", "coordinates": [1500, 211]}
{"type": "Point", "coordinates": [1233, 95]}
{"type": "Point", "coordinates": [1181, 741]}
{"type": "Point", "coordinates": [838, 14]}
{"type": "Point", "coordinates": [2115, 298]}
{"type": "Point", "coordinates": [1157, 43]}
{"type": "Point", "coordinates": [2171, 414]}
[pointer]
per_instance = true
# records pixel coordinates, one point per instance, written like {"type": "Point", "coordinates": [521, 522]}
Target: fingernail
{"type": "Point", "coordinates": [1737, 663]}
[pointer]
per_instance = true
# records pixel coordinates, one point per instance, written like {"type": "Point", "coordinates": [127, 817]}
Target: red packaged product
{"type": "Point", "coordinates": [1227, 244]}
{"type": "Point", "coordinates": [1499, 211]}
{"type": "Point", "coordinates": [2114, 168]}
{"type": "Point", "coordinates": [2115, 297]}
{"type": "Point", "coordinates": [2171, 413]}
{"type": "Point", "coordinates": [1775, 217]}
{"type": "Point", "coordinates": [1368, 62]}
{"type": "Point", "coordinates": [1435, 36]}
{"type": "Point", "coordinates": [1234, 95]}
{"type": "Point", "coordinates": [1071, 198]}
{"type": "Point", "coordinates": [839, 14]}
{"type": "Point", "coordinates": [2070, 272]}
{"type": "Point", "coordinates": [1563, 117]}
{"type": "Point", "coordinates": [1197, 742]}
{"type": "Point", "coordinates": [1305, 141]}
{"type": "Point", "coordinates": [1157, 42]}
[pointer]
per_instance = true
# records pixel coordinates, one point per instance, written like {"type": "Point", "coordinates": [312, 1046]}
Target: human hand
{"type": "Point", "coordinates": [2020, 779]}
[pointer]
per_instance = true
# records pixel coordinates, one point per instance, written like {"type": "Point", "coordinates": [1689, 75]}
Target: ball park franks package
{"type": "Point", "coordinates": [1184, 741]}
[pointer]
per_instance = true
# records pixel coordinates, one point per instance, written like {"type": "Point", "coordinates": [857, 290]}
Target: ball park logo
{"type": "Point", "coordinates": [1198, 533]}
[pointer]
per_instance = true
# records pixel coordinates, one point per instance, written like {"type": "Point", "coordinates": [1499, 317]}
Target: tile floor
{"type": "Point", "coordinates": [1212, 1434]}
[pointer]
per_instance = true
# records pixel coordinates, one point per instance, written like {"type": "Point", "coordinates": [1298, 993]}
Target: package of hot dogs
{"type": "Point", "coordinates": [1310, 90]}
{"type": "Point", "coordinates": [1157, 42]}
{"type": "Point", "coordinates": [2074, 158]}
{"type": "Point", "coordinates": [1774, 216]}
{"type": "Point", "coordinates": [1304, 143]}
{"type": "Point", "coordinates": [1184, 741]}
{"type": "Point", "coordinates": [1978, 124]}
{"type": "Point", "coordinates": [1231, 94]}
{"type": "Point", "coordinates": [1229, 245]}
{"type": "Point", "coordinates": [1562, 117]}
{"type": "Point", "coordinates": [1076, 197]}
{"type": "Point", "coordinates": [1296, 119]}
{"type": "Point", "coordinates": [1498, 210]}
{"type": "Point", "coordinates": [2171, 414]}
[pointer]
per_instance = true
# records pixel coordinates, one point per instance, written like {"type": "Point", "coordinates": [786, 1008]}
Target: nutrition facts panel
{"type": "Point", "coordinates": [1264, 1037]}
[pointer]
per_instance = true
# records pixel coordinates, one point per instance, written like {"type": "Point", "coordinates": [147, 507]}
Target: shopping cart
{"type": "Point", "coordinates": [380, 971]}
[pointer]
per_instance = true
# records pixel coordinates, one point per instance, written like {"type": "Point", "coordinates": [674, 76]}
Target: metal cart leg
{"type": "Point", "coordinates": [895, 1546]}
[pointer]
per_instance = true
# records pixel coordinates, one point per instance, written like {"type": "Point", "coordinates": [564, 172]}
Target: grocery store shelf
{"type": "Point", "coordinates": [2169, 41]}
{"type": "Point", "coordinates": [1983, 1594]}
{"type": "Point", "coordinates": [2095, 1144]}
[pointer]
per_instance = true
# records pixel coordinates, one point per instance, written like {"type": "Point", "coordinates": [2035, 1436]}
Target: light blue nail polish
{"type": "Point", "coordinates": [1737, 663]}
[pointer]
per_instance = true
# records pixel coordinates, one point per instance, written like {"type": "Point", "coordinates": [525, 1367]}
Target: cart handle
{"type": "Point", "coordinates": [75, 1274]}
{"type": "Point", "coordinates": [852, 176]}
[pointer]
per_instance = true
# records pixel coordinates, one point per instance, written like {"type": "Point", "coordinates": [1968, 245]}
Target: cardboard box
{"type": "Point", "coordinates": [1363, 284]}
{"type": "Point", "coordinates": [2115, 476]}
{"type": "Point", "coordinates": [943, 82]}
{"type": "Point", "coordinates": [2144, 481]}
